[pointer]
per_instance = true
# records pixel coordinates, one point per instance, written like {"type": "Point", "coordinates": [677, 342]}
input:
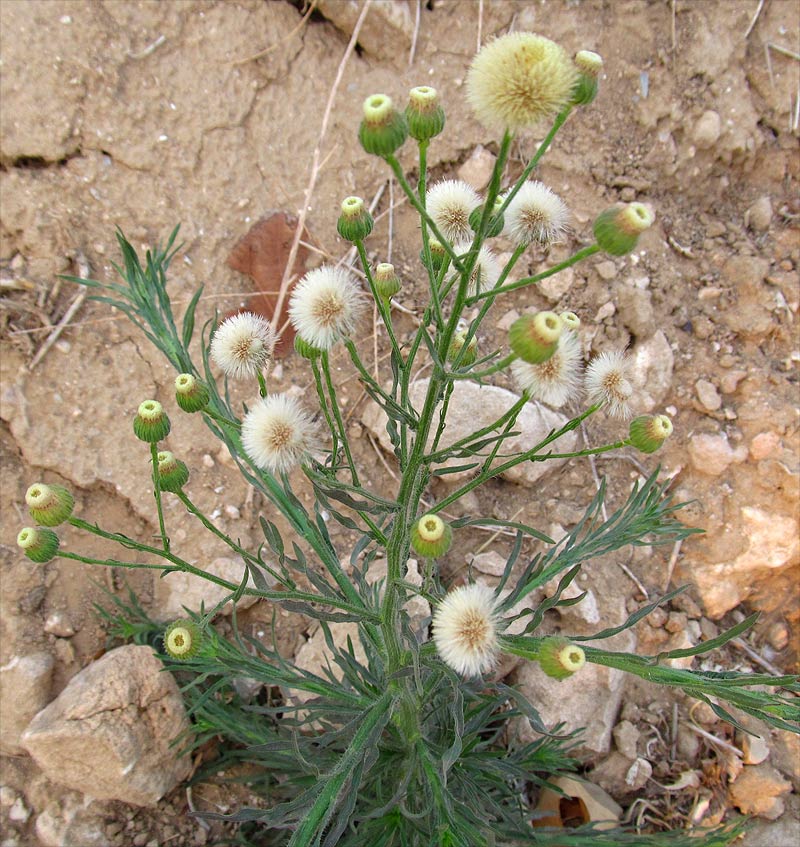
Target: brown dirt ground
{"type": "Point", "coordinates": [144, 114]}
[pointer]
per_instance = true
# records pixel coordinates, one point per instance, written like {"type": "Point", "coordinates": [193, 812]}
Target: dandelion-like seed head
{"type": "Point", "coordinates": [243, 345]}
{"type": "Point", "coordinates": [520, 79]}
{"type": "Point", "coordinates": [277, 433]}
{"type": "Point", "coordinates": [449, 203]}
{"type": "Point", "coordinates": [608, 382]}
{"type": "Point", "coordinates": [557, 380]}
{"type": "Point", "coordinates": [325, 305]}
{"type": "Point", "coordinates": [465, 629]}
{"type": "Point", "coordinates": [487, 268]}
{"type": "Point", "coordinates": [536, 214]}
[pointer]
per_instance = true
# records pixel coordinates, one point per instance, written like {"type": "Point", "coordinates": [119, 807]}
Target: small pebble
{"type": "Point", "coordinates": [730, 381]}
{"type": "Point", "coordinates": [607, 270]}
{"type": "Point", "coordinates": [764, 445]}
{"type": "Point", "coordinates": [59, 624]}
{"type": "Point", "coordinates": [208, 461]}
{"type": "Point", "coordinates": [778, 635]}
{"type": "Point", "coordinates": [19, 812]}
{"type": "Point", "coordinates": [708, 395]}
{"type": "Point", "coordinates": [605, 311]}
{"type": "Point", "coordinates": [759, 215]}
{"type": "Point", "coordinates": [676, 622]}
{"type": "Point", "coordinates": [477, 170]}
{"type": "Point", "coordinates": [707, 130]}
{"type": "Point", "coordinates": [232, 512]}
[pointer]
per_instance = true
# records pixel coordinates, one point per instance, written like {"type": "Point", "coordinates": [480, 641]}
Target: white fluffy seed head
{"type": "Point", "coordinates": [243, 345]}
{"type": "Point", "coordinates": [608, 381]}
{"type": "Point", "coordinates": [449, 203]}
{"type": "Point", "coordinates": [325, 305]}
{"type": "Point", "coordinates": [487, 268]}
{"type": "Point", "coordinates": [277, 433]}
{"type": "Point", "coordinates": [465, 629]}
{"type": "Point", "coordinates": [557, 380]}
{"type": "Point", "coordinates": [536, 214]}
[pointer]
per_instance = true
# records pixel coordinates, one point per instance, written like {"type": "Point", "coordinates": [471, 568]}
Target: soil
{"type": "Point", "coordinates": [142, 115]}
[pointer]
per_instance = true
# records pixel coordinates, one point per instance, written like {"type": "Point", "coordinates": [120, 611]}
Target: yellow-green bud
{"type": "Point", "coordinates": [431, 537]}
{"type": "Point", "coordinates": [38, 543]}
{"type": "Point", "coordinates": [589, 66]}
{"type": "Point", "coordinates": [191, 393]}
{"type": "Point", "coordinates": [534, 338]}
{"type": "Point", "coordinates": [151, 423]}
{"type": "Point", "coordinates": [49, 505]}
{"type": "Point", "coordinates": [355, 223]}
{"type": "Point", "coordinates": [496, 222]}
{"type": "Point", "coordinates": [383, 129]}
{"type": "Point", "coordinates": [172, 472]}
{"type": "Point", "coordinates": [618, 228]}
{"type": "Point", "coordinates": [386, 282]}
{"type": "Point", "coordinates": [457, 345]}
{"type": "Point", "coordinates": [183, 639]}
{"type": "Point", "coordinates": [648, 432]}
{"type": "Point", "coordinates": [424, 115]}
{"type": "Point", "coordinates": [304, 349]}
{"type": "Point", "coordinates": [438, 253]}
{"type": "Point", "coordinates": [559, 658]}
{"type": "Point", "coordinates": [571, 321]}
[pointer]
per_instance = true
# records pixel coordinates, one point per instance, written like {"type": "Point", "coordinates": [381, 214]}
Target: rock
{"type": "Point", "coordinates": [752, 314]}
{"type": "Point", "coordinates": [472, 407]}
{"type": "Point", "coordinates": [626, 737]}
{"type": "Point", "coordinates": [108, 733]}
{"type": "Point", "coordinates": [70, 821]}
{"type": "Point", "coordinates": [556, 286]}
{"type": "Point", "coordinates": [778, 635]}
{"type": "Point", "coordinates": [730, 381]}
{"type": "Point", "coordinates": [758, 791]}
{"type": "Point", "coordinates": [708, 395]}
{"type": "Point", "coordinates": [178, 590]}
{"type": "Point", "coordinates": [764, 445]}
{"type": "Point", "coordinates": [477, 170]}
{"type": "Point", "coordinates": [652, 371]}
{"type": "Point", "coordinates": [707, 130]}
{"type": "Point", "coordinates": [577, 617]}
{"type": "Point", "coordinates": [759, 215]}
{"type": "Point", "coordinates": [58, 623]}
{"type": "Point", "coordinates": [638, 774]}
{"type": "Point", "coordinates": [636, 310]}
{"type": "Point", "coordinates": [24, 690]}
{"type": "Point", "coordinates": [785, 755]}
{"type": "Point", "coordinates": [755, 747]}
{"type": "Point", "coordinates": [595, 805]}
{"type": "Point", "coordinates": [19, 812]}
{"type": "Point", "coordinates": [711, 453]}
{"type": "Point", "coordinates": [386, 32]}
{"type": "Point", "coordinates": [489, 563]}
{"type": "Point", "coordinates": [779, 833]}
{"type": "Point", "coordinates": [606, 270]}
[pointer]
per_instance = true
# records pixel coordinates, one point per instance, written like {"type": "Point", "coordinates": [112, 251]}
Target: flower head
{"type": "Point", "coordinates": [183, 639]}
{"type": "Point", "coordinates": [608, 382]}
{"type": "Point", "coordinates": [535, 214]}
{"type": "Point", "coordinates": [465, 629]}
{"type": "Point", "coordinates": [325, 305]}
{"type": "Point", "coordinates": [277, 433]}
{"type": "Point", "coordinates": [449, 203]}
{"type": "Point", "coordinates": [557, 379]}
{"type": "Point", "coordinates": [520, 79]}
{"type": "Point", "coordinates": [243, 345]}
{"type": "Point", "coordinates": [487, 268]}
{"type": "Point", "coordinates": [49, 505]}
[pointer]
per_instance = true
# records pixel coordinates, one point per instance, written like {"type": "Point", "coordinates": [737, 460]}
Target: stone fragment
{"type": "Point", "coordinates": [759, 215]}
{"type": "Point", "coordinates": [711, 453]}
{"type": "Point", "coordinates": [24, 690]}
{"type": "Point", "coordinates": [556, 286]}
{"type": "Point", "coordinates": [178, 590]}
{"type": "Point", "coordinates": [490, 562]}
{"type": "Point", "coordinates": [108, 733]}
{"type": "Point", "coordinates": [477, 170]}
{"type": "Point", "coordinates": [755, 747]}
{"type": "Point", "coordinates": [707, 130]}
{"type": "Point", "coordinates": [764, 445]}
{"type": "Point", "coordinates": [474, 406]}
{"type": "Point", "coordinates": [638, 774]}
{"type": "Point", "coordinates": [606, 270]}
{"type": "Point", "coordinates": [59, 624]}
{"type": "Point", "coordinates": [653, 362]}
{"type": "Point", "coordinates": [730, 381]}
{"type": "Point", "coordinates": [596, 805]}
{"type": "Point", "coordinates": [386, 32]}
{"type": "Point", "coordinates": [758, 791]}
{"type": "Point", "coordinates": [626, 737]}
{"type": "Point", "coordinates": [708, 395]}
{"type": "Point", "coordinates": [70, 821]}
{"type": "Point", "coordinates": [635, 309]}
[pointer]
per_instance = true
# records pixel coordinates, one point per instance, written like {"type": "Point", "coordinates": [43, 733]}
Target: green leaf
{"type": "Point", "coordinates": [188, 318]}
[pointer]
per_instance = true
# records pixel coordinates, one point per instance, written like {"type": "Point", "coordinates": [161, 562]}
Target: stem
{"type": "Point", "coordinates": [500, 365]}
{"type": "Point", "coordinates": [338, 415]}
{"type": "Point", "coordinates": [323, 404]}
{"type": "Point", "coordinates": [157, 494]}
{"type": "Point", "coordinates": [221, 418]}
{"type": "Point", "coordinates": [262, 384]}
{"type": "Point", "coordinates": [382, 304]}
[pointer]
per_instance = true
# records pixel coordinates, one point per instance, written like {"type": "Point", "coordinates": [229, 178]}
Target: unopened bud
{"type": "Point", "coordinates": [648, 432]}
{"type": "Point", "coordinates": [559, 658]}
{"type": "Point", "coordinates": [438, 253]}
{"type": "Point", "coordinates": [589, 66]}
{"type": "Point", "coordinates": [424, 115]}
{"type": "Point", "coordinates": [355, 223]}
{"type": "Point", "coordinates": [571, 321]}
{"type": "Point", "coordinates": [534, 338]}
{"type": "Point", "coordinates": [431, 537]}
{"type": "Point", "coordinates": [151, 423]}
{"type": "Point", "coordinates": [457, 343]}
{"type": "Point", "coordinates": [183, 639]}
{"type": "Point", "coordinates": [38, 543]}
{"type": "Point", "coordinates": [191, 394]}
{"type": "Point", "coordinates": [172, 472]}
{"type": "Point", "coordinates": [386, 282]}
{"type": "Point", "coordinates": [306, 350]}
{"type": "Point", "coordinates": [496, 222]}
{"type": "Point", "coordinates": [383, 129]}
{"type": "Point", "coordinates": [618, 228]}
{"type": "Point", "coordinates": [49, 505]}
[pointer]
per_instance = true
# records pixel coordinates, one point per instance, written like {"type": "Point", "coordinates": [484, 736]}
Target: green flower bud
{"type": "Point", "coordinates": [355, 223]}
{"type": "Point", "coordinates": [183, 639]}
{"type": "Point", "coordinates": [618, 228]}
{"type": "Point", "coordinates": [151, 423]}
{"type": "Point", "coordinates": [438, 253]}
{"type": "Point", "coordinates": [172, 473]}
{"type": "Point", "coordinates": [49, 505]}
{"type": "Point", "coordinates": [424, 115]}
{"type": "Point", "coordinates": [304, 349]}
{"type": "Point", "coordinates": [589, 66]}
{"type": "Point", "coordinates": [431, 537]}
{"type": "Point", "coordinates": [571, 321]}
{"type": "Point", "coordinates": [559, 658]}
{"type": "Point", "coordinates": [457, 345]}
{"type": "Point", "coordinates": [386, 282]}
{"type": "Point", "coordinates": [648, 432]}
{"type": "Point", "coordinates": [383, 129]}
{"type": "Point", "coordinates": [191, 394]}
{"type": "Point", "coordinates": [496, 222]}
{"type": "Point", "coordinates": [39, 544]}
{"type": "Point", "coordinates": [534, 338]}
